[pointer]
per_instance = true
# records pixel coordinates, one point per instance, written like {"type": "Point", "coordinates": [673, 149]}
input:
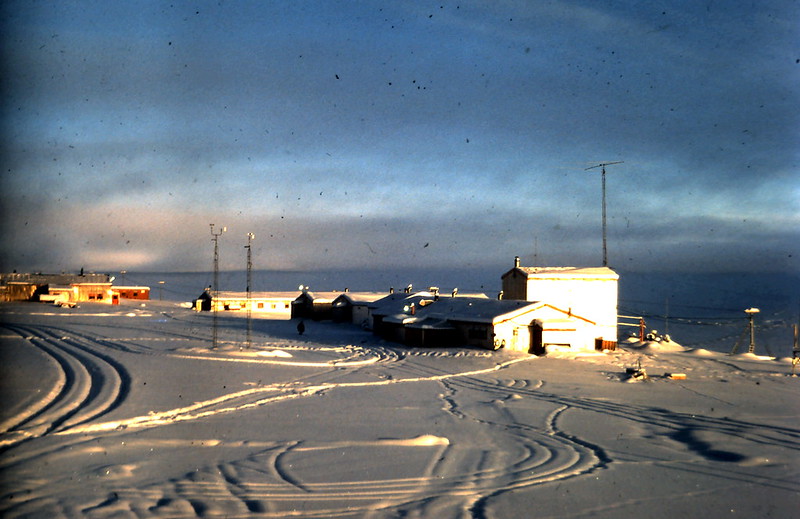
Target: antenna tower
{"type": "Point", "coordinates": [603, 165]}
{"type": "Point", "coordinates": [250, 237]}
{"type": "Point", "coordinates": [215, 289]}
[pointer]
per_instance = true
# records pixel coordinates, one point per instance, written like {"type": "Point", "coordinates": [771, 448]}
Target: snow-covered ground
{"type": "Point", "coordinates": [126, 411]}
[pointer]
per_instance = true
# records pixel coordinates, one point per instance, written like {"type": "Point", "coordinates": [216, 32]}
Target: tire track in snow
{"type": "Point", "coordinates": [93, 385]}
{"type": "Point", "coordinates": [466, 473]}
{"type": "Point", "coordinates": [679, 427]}
{"type": "Point", "coordinates": [289, 480]}
{"type": "Point", "coordinates": [670, 420]}
{"type": "Point", "coordinates": [686, 429]}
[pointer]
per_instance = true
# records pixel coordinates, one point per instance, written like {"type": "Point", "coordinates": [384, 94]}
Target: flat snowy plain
{"type": "Point", "coordinates": [126, 411]}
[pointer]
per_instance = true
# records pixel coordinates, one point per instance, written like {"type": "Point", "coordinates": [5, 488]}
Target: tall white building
{"type": "Point", "coordinates": [589, 292]}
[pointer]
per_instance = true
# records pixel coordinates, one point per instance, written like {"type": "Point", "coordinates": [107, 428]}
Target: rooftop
{"type": "Point", "coordinates": [566, 272]}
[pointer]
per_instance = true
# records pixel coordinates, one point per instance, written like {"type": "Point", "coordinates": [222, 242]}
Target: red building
{"type": "Point", "coordinates": [132, 292]}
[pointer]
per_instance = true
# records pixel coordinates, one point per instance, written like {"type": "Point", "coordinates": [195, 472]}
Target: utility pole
{"type": "Point", "coordinates": [603, 175]}
{"type": "Point", "coordinates": [250, 237]}
{"type": "Point", "coordinates": [215, 290]}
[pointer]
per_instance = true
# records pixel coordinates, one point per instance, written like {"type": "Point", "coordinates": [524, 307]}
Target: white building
{"type": "Point", "coordinates": [589, 292]}
{"type": "Point", "coordinates": [488, 323]}
{"type": "Point", "coordinates": [270, 305]}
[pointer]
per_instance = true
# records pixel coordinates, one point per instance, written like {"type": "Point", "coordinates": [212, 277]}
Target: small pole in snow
{"type": "Point", "coordinates": [641, 329]}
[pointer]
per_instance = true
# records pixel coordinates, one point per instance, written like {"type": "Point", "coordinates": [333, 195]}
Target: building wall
{"type": "Point", "coordinates": [342, 311]}
{"type": "Point", "coordinates": [140, 293]}
{"type": "Point", "coordinates": [21, 291]}
{"type": "Point", "coordinates": [361, 315]}
{"type": "Point", "coordinates": [61, 294]}
{"type": "Point", "coordinates": [281, 307]}
{"type": "Point", "coordinates": [515, 286]}
{"type": "Point", "coordinates": [302, 307]}
{"type": "Point", "coordinates": [556, 329]}
{"type": "Point", "coordinates": [594, 299]}
{"type": "Point", "coordinates": [513, 335]}
{"type": "Point", "coordinates": [422, 337]}
{"type": "Point", "coordinates": [476, 334]}
{"type": "Point", "coordinates": [93, 292]}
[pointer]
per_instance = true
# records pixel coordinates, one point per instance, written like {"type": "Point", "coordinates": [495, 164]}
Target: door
{"type": "Point", "coordinates": [536, 339]}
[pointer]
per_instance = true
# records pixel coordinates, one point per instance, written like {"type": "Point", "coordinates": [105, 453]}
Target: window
{"type": "Point", "coordinates": [261, 305]}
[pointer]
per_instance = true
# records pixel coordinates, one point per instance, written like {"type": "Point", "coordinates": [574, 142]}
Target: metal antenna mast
{"type": "Point", "coordinates": [603, 166]}
{"type": "Point", "coordinates": [215, 289]}
{"type": "Point", "coordinates": [250, 237]}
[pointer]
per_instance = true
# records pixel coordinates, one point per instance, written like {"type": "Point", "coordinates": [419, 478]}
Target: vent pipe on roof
{"type": "Point", "coordinates": [500, 295]}
{"type": "Point", "coordinates": [346, 290]}
{"type": "Point", "coordinates": [516, 261]}
{"type": "Point", "coordinates": [391, 290]}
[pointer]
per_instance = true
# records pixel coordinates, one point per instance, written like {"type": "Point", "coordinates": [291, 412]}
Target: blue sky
{"type": "Point", "coordinates": [398, 134]}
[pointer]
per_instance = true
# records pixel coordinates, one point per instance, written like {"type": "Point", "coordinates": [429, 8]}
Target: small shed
{"type": "Point", "coordinates": [203, 302]}
{"type": "Point", "coordinates": [353, 307]}
{"type": "Point", "coordinates": [314, 305]}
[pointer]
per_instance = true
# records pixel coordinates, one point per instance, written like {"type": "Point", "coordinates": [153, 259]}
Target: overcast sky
{"type": "Point", "coordinates": [397, 134]}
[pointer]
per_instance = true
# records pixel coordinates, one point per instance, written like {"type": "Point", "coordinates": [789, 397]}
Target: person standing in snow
{"type": "Point", "coordinates": [301, 327]}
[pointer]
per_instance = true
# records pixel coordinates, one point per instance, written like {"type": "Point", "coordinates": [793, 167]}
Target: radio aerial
{"type": "Point", "coordinates": [603, 165]}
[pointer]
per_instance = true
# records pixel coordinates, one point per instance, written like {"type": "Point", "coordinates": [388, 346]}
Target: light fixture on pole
{"type": "Point", "coordinates": [215, 290]}
{"type": "Point", "coordinates": [603, 165]}
{"type": "Point", "coordinates": [751, 314]}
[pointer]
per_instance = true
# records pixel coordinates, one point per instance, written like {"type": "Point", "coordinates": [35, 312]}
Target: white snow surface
{"type": "Point", "coordinates": [128, 412]}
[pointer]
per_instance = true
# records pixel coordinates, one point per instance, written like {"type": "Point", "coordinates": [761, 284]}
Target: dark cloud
{"type": "Point", "coordinates": [375, 123]}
